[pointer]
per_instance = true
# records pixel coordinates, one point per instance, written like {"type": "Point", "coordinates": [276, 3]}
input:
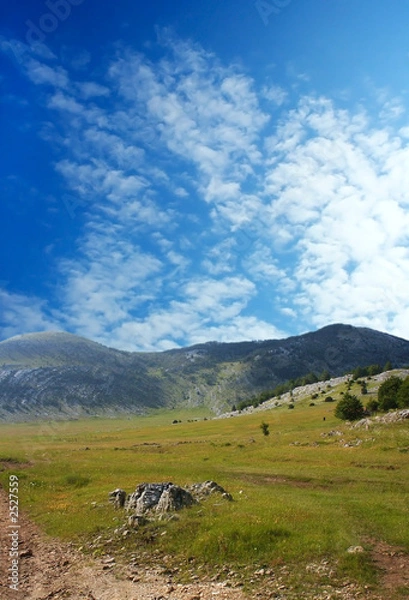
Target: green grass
{"type": "Point", "coordinates": [299, 494]}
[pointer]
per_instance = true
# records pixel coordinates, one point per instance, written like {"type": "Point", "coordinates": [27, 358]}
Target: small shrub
{"type": "Point", "coordinates": [265, 428]}
{"type": "Point", "coordinates": [349, 408]}
{"type": "Point", "coordinates": [329, 399]}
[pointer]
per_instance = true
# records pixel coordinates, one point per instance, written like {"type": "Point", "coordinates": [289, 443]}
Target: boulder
{"type": "Point", "coordinates": [174, 498]}
{"type": "Point", "coordinates": [159, 498]}
{"type": "Point", "coordinates": [200, 491]}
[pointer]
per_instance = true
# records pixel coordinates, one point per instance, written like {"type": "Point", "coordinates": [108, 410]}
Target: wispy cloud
{"type": "Point", "coordinates": [341, 194]}
{"type": "Point", "coordinates": [206, 215]}
{"type": "Point", "coordinates": [24, 314]}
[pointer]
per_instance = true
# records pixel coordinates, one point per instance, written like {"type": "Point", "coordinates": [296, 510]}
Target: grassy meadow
{"type": "Point", "coordinates": [301, 494]}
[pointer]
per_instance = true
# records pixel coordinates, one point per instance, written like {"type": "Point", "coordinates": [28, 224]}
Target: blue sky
{"type": "Point", "coordinates": [174, 173]}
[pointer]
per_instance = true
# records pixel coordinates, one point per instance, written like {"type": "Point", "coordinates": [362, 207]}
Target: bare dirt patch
{"type": "Point", "coordinates": [393, 564]}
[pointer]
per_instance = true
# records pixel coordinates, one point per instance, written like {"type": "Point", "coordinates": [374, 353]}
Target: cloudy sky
{"type": "Point", "coordinates": [174, 173]}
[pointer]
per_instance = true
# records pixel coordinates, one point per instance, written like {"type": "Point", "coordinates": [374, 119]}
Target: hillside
{"type": "Point", "coordinates": [56, 374]}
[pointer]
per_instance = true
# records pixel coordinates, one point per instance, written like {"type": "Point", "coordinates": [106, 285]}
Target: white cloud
{"type": "Point", "coordinates": [209, 309]}
{"type": "Point", "coordinates": [42, 74]}
{"type": "Point", "coordinates": [275, 94]}
{"type": "Point", "coordinates": [200, 209]}
{"type": "Point", "coordinates": [24, 314]}
{"type": "Point", "coordinates": [340, 192]}
{"type": "Point", "coordinates": [210, 116]}
{"type": "Point", "coordinates": [113, 279]}
{"type": "Point", "coordinates": [90, 89]}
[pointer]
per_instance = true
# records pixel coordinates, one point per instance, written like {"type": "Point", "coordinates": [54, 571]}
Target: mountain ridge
{"type": "Point", "coordinates": [60, 375]}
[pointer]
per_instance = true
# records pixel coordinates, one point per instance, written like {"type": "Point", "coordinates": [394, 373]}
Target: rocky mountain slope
{"type": "Point", "coordinates": [56, 374]}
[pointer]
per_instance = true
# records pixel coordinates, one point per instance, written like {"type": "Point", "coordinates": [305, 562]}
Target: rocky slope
{"type": "Point", "coordinates": [55, 374]}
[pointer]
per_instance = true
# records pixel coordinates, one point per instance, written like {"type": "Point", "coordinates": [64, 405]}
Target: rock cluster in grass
{"type": "Point", "coordinates": [156, 499]}
{"type": "Point", "coordinates": [391, 417]}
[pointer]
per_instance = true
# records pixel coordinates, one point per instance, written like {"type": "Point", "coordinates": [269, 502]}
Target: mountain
{"type": "Point", "coordinates": [54, 373]}
{"type": "Point", "coordinates": [57, 374]}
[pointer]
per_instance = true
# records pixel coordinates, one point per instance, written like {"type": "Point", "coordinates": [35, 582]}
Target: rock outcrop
{"type": "Point", "coordinates": [156, 499]}
{"type": "Point", "coordinates": [390, 417]}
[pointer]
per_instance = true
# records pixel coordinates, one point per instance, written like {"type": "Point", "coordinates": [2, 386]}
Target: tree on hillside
{"type": "Point", "coordinates": [265, 428]}
{"type": "Point", "coordinates": [359, 372]}
{"type": "Point", "coordinates": [388, 393]}
{"type": "Point", "coordinates": [325, 375]}
{"type": "Point", "coordinates": [349, 408]}
{"type": "Point", "coordinates": [403, 394]}
{"type": "Point", "coordinates": [364, 387]}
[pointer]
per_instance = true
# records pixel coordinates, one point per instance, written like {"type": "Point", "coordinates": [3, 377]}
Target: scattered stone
{"type": "Point", "coordinates": [331, 433]}
{"type": "Point", "coordinates": [117, 498]}
{"type": "Point", "coordinates": [136, 521]}
{"type": "Point", "coordinates": [355, 550]}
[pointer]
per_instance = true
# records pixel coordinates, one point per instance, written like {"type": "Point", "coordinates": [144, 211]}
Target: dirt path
{"type": "Point", "coordinates": [51, 570]}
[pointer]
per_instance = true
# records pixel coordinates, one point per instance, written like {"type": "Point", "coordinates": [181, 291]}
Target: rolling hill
{"type": "Point", "coordinates": [57, 374]}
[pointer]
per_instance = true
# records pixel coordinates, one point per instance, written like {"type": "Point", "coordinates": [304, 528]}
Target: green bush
{"type": "Point", "coordinates": [388, 393]}
{"type": "Point", "coordinates": [403, 394]}
{"type": "Point", "coordinates": [372, 405]}
{"type": "Point", "coordinates": [349, 408]}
